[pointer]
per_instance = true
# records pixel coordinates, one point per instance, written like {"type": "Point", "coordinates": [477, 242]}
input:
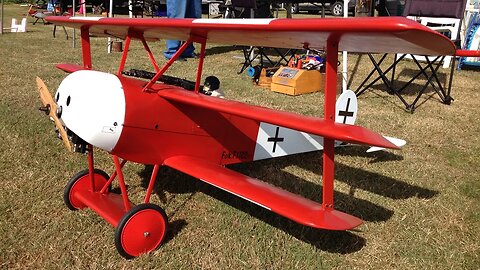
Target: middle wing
{"type": "Point", "coordinates": [346, 133]}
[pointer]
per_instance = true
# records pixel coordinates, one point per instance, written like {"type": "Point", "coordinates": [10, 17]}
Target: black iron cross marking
{"type": "Point", "coordinates": [275, 140]}
{"type": "Point", "coordinates": [346, 113]}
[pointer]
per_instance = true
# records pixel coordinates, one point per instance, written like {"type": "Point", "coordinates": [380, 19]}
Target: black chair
{"type": "Point", "coordinates": [440, 15]}
{"type": "Point", "coordinates": [241, 9]}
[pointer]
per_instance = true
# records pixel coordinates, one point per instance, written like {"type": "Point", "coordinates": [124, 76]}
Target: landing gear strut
{"type": "Point", "coordinates": [139, 229]}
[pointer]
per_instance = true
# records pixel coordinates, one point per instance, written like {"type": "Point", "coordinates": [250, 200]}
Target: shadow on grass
{"type": "Point", "coordinates": [370, 181]}
{"type": "Point", "coordinates": [272, 171]}
{"type": "Point", "coordinates": [361, 151]}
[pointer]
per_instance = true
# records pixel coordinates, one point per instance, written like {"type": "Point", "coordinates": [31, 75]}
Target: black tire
{"type": "Point", "coordinates": [153, 222]}
{"type": "Point", "coordinates": [80, 175]}
{"type": "Point", "coordinates": [337, 8]}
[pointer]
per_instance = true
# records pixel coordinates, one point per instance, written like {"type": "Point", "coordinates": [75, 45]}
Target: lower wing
{"type": "Point", "coordinates": [272, 198]}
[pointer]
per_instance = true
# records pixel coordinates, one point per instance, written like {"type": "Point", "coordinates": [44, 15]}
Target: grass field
{"type": "Point", "coordinates": [421, 205]}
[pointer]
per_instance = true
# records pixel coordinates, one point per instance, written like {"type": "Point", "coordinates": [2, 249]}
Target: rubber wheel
{"type": "Point", "coordinates": [80, 182]}
{"type": "Point", "coordinates": [141, 230]}
{"type": "Point", "coordinates": [337, 9]}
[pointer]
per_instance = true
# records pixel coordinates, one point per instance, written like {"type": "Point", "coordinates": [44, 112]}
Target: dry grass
{"type": "Point", "coordinates": [420, 205]}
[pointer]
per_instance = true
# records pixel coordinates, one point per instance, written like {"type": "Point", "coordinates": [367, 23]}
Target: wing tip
{"type": "Point", "coordinates": [335, 220]}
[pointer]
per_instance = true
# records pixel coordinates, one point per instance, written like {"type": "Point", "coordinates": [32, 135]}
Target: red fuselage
{"type": "Point", "coordinates": [156, 129]}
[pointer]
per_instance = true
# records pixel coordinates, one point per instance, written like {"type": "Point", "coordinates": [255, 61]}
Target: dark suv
{"type": "Point", "coordinates": [334, 6]}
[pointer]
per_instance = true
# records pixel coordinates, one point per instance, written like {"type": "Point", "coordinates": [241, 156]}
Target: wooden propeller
{"type": "Point", "coordinates": [50, 108]}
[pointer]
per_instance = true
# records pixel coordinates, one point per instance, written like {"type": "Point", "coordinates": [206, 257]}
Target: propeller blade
{"type": "Point", "coordinates": [50, 107]}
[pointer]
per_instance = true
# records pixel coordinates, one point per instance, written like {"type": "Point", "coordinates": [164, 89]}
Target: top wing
{"type": "Point", "coordinates": [312, 125]}
{"type": "Point", "coordinates": [380, 35]}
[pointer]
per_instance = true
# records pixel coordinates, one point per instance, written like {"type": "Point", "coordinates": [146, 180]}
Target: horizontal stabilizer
{"type": "Point", "coordinates": [277, 200]}
{"type": "Point", "coordinates": [342, 132]}
{"type": "Point", "coordinates": [396, 141]}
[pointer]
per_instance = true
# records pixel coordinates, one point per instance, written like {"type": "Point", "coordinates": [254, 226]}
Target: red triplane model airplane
{"type": "Point", "coordinates": [152, 118]}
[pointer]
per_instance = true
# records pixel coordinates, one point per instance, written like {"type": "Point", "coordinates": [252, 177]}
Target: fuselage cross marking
{"type": "Point", "coordinates": [275, 139]}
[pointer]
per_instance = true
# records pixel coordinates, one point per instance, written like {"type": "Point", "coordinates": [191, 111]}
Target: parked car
{"type": "Point", "coordinates": [334, 6]}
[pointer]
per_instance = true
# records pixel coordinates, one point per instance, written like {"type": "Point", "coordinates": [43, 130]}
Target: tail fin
{"type": "Point", "coordinates": [346, 108]}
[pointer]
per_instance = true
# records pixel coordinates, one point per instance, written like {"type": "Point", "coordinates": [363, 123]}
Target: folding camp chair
{"type": "Point", "coordinates": [440, 15]}
{"type": "Point", "coordinates": [261, 54]}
